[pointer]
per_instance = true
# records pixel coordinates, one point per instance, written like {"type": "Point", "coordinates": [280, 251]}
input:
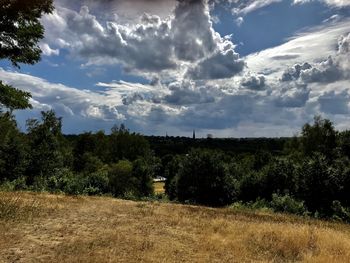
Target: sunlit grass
{"type": "Point", "coordinates": [159, 187]}
{"type": "Point", "coordinates": [101, 229]}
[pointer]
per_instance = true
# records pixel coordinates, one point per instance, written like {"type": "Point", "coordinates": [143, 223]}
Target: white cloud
{"type": "Point", "coordinates": [47, 51]}
{"type": "Point", "coordinates": [239, 21]}
{"type": "Point", "coordinates": [246, 6]}
{"type": "Point", "coordinates": [153, 46]}
{"type": "Point", "coordinates": [66, 100]}
{"type": "Point", "coordinates": [314, 45]}
{"type": "Point", "coordinates": [197, 80]}
{"type": "Point", "coordinates": [334, 3]}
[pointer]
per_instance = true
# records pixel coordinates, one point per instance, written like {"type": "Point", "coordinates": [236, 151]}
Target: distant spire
{"type": "Point", "coordinates": [166, 134]}
{"type": "Point", "coordinates": [194, 135]}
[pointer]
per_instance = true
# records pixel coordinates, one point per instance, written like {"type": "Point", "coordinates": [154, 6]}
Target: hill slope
{"type": "Point", "coordinates": [56, 228]}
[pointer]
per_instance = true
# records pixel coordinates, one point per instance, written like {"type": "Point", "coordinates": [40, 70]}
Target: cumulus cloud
{"type": "Point", "coordinates": [47, 51]}
{"type": "Point", "coordinates": [186, 92]}
{"type": "Point", "coordinates": [151, 46]}
{"type": "Point", "coordinates": [66, 100]}
{"type": "Point", "coordinates": [253, 82]}
{"type": "Point", "coordinates": [332, 69]}
{"type": "Point", "coordinates": [310, 46]}
{"type": "Point", "coordinates": [293, 73]}
{"type": "Point", "coordinates": [292, 96]}
{"type": "Point", "coordinates": [196, 79]}
{"type": "Point", "coordinates": [224, 63]}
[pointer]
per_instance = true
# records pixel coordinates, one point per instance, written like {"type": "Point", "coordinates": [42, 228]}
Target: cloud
{"type": "Point", "coordinates": [313, 45]}
{"type": "Point", "coordinates": [196, 78]}
{"type": "Point", "coordinates": [153, 46]}
{"type": "Point", "coordinates": [332, 69]}
{"type": "Point", "coordinates": [224, 63]}
{"type": "Point", "coordinates": [253, 82]}
{"type": "Point", "coordinates": [292, 96]}
{"type": "Point", "coordinates": [333, 102]}
{"type": "Point", "coordinates": [47, 51]}
{"type": "Point", "coordinates": [333, 3]}
{"type": "Point", "coordinates": [293, 73]}
{"type": "Point", "coordinates": [186, 93]}
{"type": "Point", "coordinates": [247, 6]}
{"type": "Point", "coordinates": [239, 21]}
{"type": "Point", "coordinates": [66, 100]}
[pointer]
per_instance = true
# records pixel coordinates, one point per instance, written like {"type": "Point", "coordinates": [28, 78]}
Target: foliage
{"type": "Point", "coordinates": [319, 137]}
{"type": "Point", "coordinates": [204, 179]}
{"type": "Point", "coordinates": [310, 176]}
{"type": "Point", "coordinates": [21, 29]}
{"type": "Point", "coordinates": [120, 179]}
{"type": "Point", "coordinates": [13, 149]}
{"type": "Point", "coordinates": [45, 146]}
{"type": "Point", "coordinates": [20, 33]}
{"type": "Point", "coordinates": [319, 184]}
{"type": "Point", "coordinates": [287, 204]}
{"type": "Point", "coordinates": [12, 98]}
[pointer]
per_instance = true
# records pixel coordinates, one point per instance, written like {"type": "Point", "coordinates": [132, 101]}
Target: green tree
{"type": "Point", "coordinates": [126, 145]}
{"type": "Point", "coordinates": [319, 137]}
{"type": "Point", "coordinates": [20, 32]}
{"type": "Point", "coordinates": [13, 149]}
{"type": "Point", "coordinates": [120, 178]}
{"type": "Point", "coordinates": [171, 170]}
{"type": "Point", "coordinates": [143, 173]}
{"type": "Point", "coordinates": [320, 184]}
{"type": "Point", "coordinates": [203, 178]}
{"type": "Point", "coordinates": [46, 146]}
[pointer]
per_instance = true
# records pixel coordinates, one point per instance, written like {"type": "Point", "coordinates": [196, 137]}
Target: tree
{"type": "Point", "coordinates": [13, 149]}
{"type": "Point", "coordinates": [320, 184]}
{"type": "Point", "coordinates": [319, 137]}
{"type": "Point", "coordinates": [20, 32]}
{"type": "Point", "coordinates": [120, 178]}
{"type": "Point", "coordinates": [46, 146]}
{"type": "Point", "coordinates": [203, 179]}
{"type": "Point", "coordinates": [126, 145]}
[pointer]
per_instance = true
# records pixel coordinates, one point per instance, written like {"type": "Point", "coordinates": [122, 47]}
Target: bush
{"type": "Point", "coordinates": [287, 204]}
{"type": "Point", "coordinates": [340, 212]}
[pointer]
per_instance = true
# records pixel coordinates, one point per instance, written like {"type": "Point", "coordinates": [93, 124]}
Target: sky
{"type": "Point", "coordinates": [233, 68]}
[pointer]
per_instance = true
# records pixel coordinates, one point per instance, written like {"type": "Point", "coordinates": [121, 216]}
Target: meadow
{"type": "Point", "coordinates": [44, 227]}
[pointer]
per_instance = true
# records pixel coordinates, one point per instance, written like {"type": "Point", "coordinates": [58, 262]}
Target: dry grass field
{"type": "Point", "coordinates": [159, 187]}
{"type": "Point", "coordinates": [57, 228]}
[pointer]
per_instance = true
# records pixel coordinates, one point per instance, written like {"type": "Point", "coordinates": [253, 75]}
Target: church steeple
{"type": "Point", "coordinates": [194, 135]}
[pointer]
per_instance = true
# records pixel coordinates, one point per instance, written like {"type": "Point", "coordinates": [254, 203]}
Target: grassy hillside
{"type": "Point", "coordinates": [57, 228]}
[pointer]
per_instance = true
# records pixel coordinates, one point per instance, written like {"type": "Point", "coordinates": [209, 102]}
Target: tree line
{"type": "Point", "coordinates": [309, 175]}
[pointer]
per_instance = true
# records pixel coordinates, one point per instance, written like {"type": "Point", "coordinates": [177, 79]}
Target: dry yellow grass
{"type": "Point", "coordinates": [98, 229]}
{"type": "Point", "coordinates": [159, 187]}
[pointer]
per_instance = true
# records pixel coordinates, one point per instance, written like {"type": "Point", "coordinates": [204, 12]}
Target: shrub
{"type": "Point", "coordinates": [340, 212]}
{"type": "Point", "coordinates": [287, 204]}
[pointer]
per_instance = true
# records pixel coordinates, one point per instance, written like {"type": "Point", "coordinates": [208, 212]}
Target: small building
{"type": "Point", "coordinates": [159, 179]}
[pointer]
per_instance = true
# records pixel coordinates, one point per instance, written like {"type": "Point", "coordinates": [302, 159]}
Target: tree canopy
{"type": "Point", "coordinates": [20, 33]}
